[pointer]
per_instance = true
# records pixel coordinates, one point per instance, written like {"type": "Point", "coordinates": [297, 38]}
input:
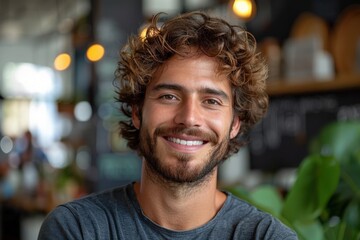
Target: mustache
{"type": "Point", "coordinates": [195, 132]}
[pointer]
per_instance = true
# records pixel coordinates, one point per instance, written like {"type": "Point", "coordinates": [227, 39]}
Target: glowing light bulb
{"type": "Point", "coordinates": [62, 61]}
{"type": "Point", "coordinates": [95, 52]}
{"type": "Point", "coordinates": [244, 8]}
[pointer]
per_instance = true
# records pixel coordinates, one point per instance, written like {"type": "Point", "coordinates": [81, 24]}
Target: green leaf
{"type": "Point", "coordinates": [351, 177]}
{"type": "Point", "coordinates": [316, 181]}
{"type": "Point", "coordinates": [339, 139]}
{"type": "Point", "coordinates": [341, 231]}
{"type": "Point", "coordinates": [309, 231]}
{"type": "Point", "coordinates": [352, 215]}
{"type": "Point", "coordinates": [267, 197]}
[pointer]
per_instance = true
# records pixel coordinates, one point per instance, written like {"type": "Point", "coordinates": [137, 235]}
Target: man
{"type": "Point", "coordinates": [189, 88]}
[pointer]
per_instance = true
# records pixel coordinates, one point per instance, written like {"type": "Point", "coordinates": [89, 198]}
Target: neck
{"type": "Point", "coordinates": [179, 206]}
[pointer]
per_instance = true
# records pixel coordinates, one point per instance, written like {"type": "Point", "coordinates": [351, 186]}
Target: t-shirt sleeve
{"type": "Point", "coordinates": [60, 224]}
{"type": "Point", "coordinates": [272, 228]}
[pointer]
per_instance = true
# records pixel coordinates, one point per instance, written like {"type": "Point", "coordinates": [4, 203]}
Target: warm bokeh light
{"type": "Point", "coordinates": [62, 62]}
{"type": "Point", "coordinates": [143, 33]}
{"type": "Point", "coordinates": [95, 52]}
{"type": "Point", "coordinates": [244, 8]}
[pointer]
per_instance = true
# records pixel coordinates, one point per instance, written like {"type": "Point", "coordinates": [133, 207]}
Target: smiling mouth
{"type": "Point", "coordinates": [185, 142]}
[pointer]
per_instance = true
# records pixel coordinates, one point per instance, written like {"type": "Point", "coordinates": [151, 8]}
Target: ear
{"type": "Point", "coordinates": [135, 117]}
{"type": "Point", "coordinates": [235, 128]}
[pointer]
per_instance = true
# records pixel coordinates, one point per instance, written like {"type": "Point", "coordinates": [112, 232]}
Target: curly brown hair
{"type": "Point", "coordinates": [233, 47]}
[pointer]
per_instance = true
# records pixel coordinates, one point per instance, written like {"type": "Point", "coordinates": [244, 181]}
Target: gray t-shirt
{"type": "Point", "coordinates": [116, 214]}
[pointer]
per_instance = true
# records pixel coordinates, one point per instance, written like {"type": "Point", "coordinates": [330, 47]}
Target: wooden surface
{"type": "Point", "coordinates": [287, 87]}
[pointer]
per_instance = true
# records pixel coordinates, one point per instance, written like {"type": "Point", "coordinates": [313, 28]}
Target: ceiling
{"type": "Point", "coordinates": [24, 19]}
{"type": "Point", "coordinates": [21, 19]}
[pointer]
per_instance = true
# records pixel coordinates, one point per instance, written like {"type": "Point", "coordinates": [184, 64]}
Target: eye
{"type": "Point", "coordinates": [212, 102]}
{"type": "Point", "coordinates": [168, 97]}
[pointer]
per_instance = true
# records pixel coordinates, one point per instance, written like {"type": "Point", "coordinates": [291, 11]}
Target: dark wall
{"type": "Point", "coordinates": [275, 17]}
{"type": "Point", "coordinates": [282, 139]}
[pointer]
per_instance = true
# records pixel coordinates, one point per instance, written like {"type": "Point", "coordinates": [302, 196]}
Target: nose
{"type": "Point", "coordinates": [189, 114]}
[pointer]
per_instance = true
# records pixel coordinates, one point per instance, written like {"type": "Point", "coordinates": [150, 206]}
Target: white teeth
{"type": "Point", "coordinates": [184, 142]}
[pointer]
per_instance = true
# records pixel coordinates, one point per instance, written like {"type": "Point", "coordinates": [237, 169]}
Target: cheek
{"type": "Point", "coordinates": [219, 124]}
{"type": "Point", "coordinates": [154, 116]}
{"type": "Point", "coordinates": [224, 124]}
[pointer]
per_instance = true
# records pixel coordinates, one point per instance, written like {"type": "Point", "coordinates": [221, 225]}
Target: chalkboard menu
{"type": "Point", "coordinates": [282, 139]}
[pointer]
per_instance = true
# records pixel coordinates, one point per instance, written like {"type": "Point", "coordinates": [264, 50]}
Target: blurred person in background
{"type": "Point", "coordinates": [24, 188]}
{"type": "Point", "coordinates": [190, 88]}
{"type": "Point", "coordinates": [29, 163]}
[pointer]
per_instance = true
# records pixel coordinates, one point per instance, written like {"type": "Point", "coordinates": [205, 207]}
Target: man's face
{"type": "Point", "coordinates": [186, 120]}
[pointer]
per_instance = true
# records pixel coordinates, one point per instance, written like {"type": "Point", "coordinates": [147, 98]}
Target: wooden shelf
{"type": "Point", "coordinates": [286, 87]}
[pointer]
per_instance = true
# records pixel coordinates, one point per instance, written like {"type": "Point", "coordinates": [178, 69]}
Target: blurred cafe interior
{"type": "Point", "coordinates": [59, 137]}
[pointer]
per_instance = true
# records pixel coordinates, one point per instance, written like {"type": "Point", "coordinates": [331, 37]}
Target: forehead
{"type": "Point", "coordinates": [191, 71]}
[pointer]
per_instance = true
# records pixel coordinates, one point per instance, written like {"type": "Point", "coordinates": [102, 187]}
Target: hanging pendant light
{"type": "Point", "coordinates": [95, 52]}
{"type": "Point", "coordinates": [62, 61]}
{"type": "Point", "coordinates": [245, 9]}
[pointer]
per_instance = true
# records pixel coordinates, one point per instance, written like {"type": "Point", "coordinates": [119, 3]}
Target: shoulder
{"type": "Point", "coordinates": [101, 200]}
{"type": "Point", "coordinates": [95, 203]}
{"type": "Point", "coordinates": [253, 222]}
{"type": "Point", "coordinates": [240, 209]}
{"type": "Point", "coordinates": [86, 215]}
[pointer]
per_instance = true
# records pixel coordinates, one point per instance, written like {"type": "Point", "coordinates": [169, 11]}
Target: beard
{"type": "Point", "coordinates": [182, 174]}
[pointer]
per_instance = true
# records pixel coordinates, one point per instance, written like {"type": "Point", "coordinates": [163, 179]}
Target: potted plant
{"type": "Point", "coordinates": [324, 201]}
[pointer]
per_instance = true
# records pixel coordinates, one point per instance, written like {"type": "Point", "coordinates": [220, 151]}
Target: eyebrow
{"type": "Point", "coordinates": [204, 90]}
